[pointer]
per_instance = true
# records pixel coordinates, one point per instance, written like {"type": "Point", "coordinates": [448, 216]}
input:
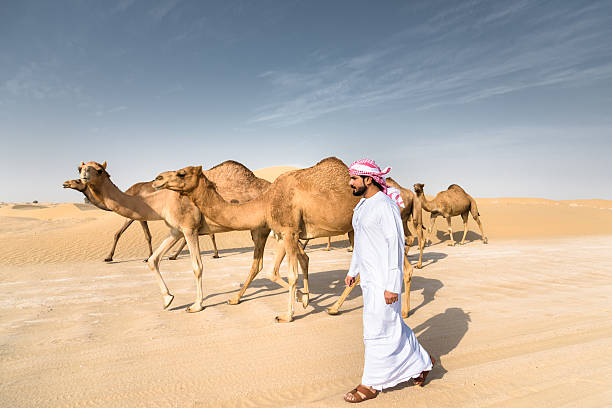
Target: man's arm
{"type": "Point", "coordinates": [353, 270]}
{"type": "Point", "coordinates": [395, 253]}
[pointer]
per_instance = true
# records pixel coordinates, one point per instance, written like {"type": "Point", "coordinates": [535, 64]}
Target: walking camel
{"type": "Point", "coordinates": [450, 203]}
{"type": "Point", "coordinates": [411, 211]}
{"type": "Point", "coordinates": [137, 189]}
{"type": "Point", "coordinates": [236, 183]}
{"type": "Point", "coordinates": [301, 204]}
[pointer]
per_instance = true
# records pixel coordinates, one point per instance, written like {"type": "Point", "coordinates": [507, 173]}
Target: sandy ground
{"type": "Point", "coordinates": [523, 321]}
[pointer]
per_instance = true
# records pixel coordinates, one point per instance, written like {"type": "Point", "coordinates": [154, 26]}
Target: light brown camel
{"type": "Point", "coordinates": [411, 211]}
{"type": "Point", "coordinates": [301, 204]}
{"type": "Point", "coordinates": [449, 203]}
{"type": "Point", "coordinates": [179, 213]}
{"type": "Point", "coordinates": [137, 189]}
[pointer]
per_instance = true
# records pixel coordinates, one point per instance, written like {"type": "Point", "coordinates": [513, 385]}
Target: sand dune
{"type": "Point", "coordinates": [523, 321]}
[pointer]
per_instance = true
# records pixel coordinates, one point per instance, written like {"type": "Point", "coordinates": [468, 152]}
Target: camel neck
{"type": "Point", "coordinates": [427, 205]}
{"type": "Point", "coordinates": [247, 216]}
{"type": "Point", "coordinates": [123, 204]}
{"type": "Point", "coordinates": [93, 200]}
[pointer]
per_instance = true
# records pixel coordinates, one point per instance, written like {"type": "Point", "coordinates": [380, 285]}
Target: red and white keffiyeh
{"type": "Point", "coordinates": [369, 168]}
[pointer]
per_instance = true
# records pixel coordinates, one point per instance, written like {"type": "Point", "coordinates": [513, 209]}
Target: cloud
{"type": "Point", "coordinates": [163, 9]}
{"type": "Point", "coordinates": [461, 59]}
{"type": "Point", "coordinates": [38, 81]}
{"type": "Point", "coordinates": [111, 110]}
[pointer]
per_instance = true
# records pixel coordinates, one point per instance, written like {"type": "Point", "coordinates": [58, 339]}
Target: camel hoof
{"type": "Point", "coordinates": [167, 300]}
{"type": "Point", "coordinates": [172, 258]}
{"type": "Point", "coordinates": [419, 266]}
{"type": "Point", "coordinates": [332, 311]}
{"type": "Point", "coordinates": [109, 259]}
{"type": "Point", "coordinates": [451, 244]}
{"type": "Point", "coordinates": [196, 307]}
{"type": "Point", "coordinates": [233, 301]}
{"type": "Point", "coordinates": [485, 241]}
{"type": "Point", "coordinates": [216, 256]}
{"type": "Point", "coordinates": [405, 315]}
{"type": "Point", "coordinates": [349, 250]}
{"type": "Point", "coordinates": [302, 297]}
{"type": "Point", "coordinates": [283, 319]}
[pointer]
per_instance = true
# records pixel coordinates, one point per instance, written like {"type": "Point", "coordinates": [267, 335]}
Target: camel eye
{"type": "Point", "coordinates": [99, 171]}
{"type": "Point", "coordinates": [180, 175]}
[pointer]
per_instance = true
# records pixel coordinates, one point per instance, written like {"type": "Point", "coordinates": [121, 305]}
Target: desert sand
{"type": "Point", "coordinates": [523, 321]}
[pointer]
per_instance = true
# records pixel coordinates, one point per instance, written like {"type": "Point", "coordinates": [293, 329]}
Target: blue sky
{"type": "Point", "coordinates": [506, 98]}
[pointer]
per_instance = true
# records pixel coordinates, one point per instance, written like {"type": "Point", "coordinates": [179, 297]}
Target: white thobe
{"type": "Point", "coordinates": [392, 351]}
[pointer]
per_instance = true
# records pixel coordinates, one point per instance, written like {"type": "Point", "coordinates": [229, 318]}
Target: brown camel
{"type": "Point", "coordinates": [137, 189]}
{"type": "Point", "coordinates": [236, 182]}
{"type": "Point", "coordinates": [301, 204]}
{"type": "Point", "coordinates": [411, 211]}
{"type": "Point", "coordinates": [450, 203]}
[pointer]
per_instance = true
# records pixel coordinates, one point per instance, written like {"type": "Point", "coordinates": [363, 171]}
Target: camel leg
{"type": "Point", "coordinates": [328, 244]}
{"type": "Point", "coordinates": [291, 244]}
{"type": "Point", "coordinates": [214, 242]}
{"type": "Point", "coordinates": [351, 237]}
{"type": "Point", "coordinates": [420, 240]}
{"type": "Point", "coordinates": [465, 220]}
{"type": "Point", "coordinates": [259, 237]}
{"type": "Point", "coordinates": [193, 243]}
{"type": "Point", "coordinates": [306, 241]}
{"type": "Point", "coordinates": [178, 251]}
{"type": "Point", "coordinates": [407, 280]}
{"type": "Point", "coordinates": [485, 240]}
{"type": "Point", "coordinates": [303, 296]}
{"type": "Point", "coordinates": [432, 228]}
{"type": "Point", "coordinates": [145, 229]}
{"type": "Point", "coordinates": [118, 234]}
{"type": "Point", "coordinates": [279, 255]}
{"type": "Point", "coordinates": [450, 232]}
{"type": "Point", "coordinates": [333, 309]}
{"type": "Point", "coordinates": [153, 264]}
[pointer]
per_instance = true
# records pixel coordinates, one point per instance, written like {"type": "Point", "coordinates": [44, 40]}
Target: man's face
{"type": "Point", "coordinates": [358, 185]}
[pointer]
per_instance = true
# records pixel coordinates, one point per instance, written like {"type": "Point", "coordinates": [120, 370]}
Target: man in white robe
{"type": "Point", "coordinates": [392, 351]}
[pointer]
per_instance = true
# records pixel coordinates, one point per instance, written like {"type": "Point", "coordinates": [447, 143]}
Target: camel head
{"type": "Point", "coordinates": [91, 172]}
{"type": "Point", "coordinates": [74, 184]}
{"type": "Point", "coordinates": [183, 180]}
{"type": "Point", "coordinates": [418, 188]}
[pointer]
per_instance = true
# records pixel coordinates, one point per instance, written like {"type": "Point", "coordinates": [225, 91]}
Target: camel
{"type": "Point", "coordinates": [235, 181]}
{"type": "Point", "coordinates": [301, 204]}
{"type": "Point", "coordinates": [450, 203]}
{"type": "Point", "coordinates": [411, 211]}
{"type": "Point", "coordinates": [136, 190]}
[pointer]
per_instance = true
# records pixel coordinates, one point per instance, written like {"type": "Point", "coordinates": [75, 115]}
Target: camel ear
{"type": "Point", "coordinates": [104, 165]}
{"type": "Point", "coordinates": [198, 169]}
{"type": "Point", "coordinates": [82, 163]}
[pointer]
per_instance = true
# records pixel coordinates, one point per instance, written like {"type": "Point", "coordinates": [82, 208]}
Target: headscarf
{"type": "Point", "coordinates": [369, 168]}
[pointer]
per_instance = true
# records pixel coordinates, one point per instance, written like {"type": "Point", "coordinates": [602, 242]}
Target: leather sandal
{"type": "Point", "coordinates": [420, 380]}
{"type": "Point", "coordinates": [358, 391]}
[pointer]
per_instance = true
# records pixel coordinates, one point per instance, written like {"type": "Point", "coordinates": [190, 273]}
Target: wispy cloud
{"type": "Point", "coordinates": [103, 112]}
{"type": "Point", "coordinates": [462, 57]}
{"type": "Point", "coordinates": [162, 9]}
{"type": "Point", "coordinates": [38, 81]}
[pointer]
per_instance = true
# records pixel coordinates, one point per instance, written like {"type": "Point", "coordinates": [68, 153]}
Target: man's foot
{"type": "Point", "coordinates": [420, 380]}
{"type": "Point", "coordinates": [361, 393]}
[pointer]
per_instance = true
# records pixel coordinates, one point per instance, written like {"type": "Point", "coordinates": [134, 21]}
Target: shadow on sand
{"type": "Point", "coordinates": [443, 237]}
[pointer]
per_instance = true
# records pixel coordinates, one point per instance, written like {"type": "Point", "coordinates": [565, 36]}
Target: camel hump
{"type": "Point", "coordinates": [230, 169]}
{"type": "Point", "coordinates": [455, 187]}
{"type": "Point", "coordinates": [333, 160]}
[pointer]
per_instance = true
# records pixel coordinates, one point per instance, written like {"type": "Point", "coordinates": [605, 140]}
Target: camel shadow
{"type": "Point", "coordinates": [471, 236]}
{"type": "Point", "coordinates": [428, 286]}
{"type": "Point", "coordinates": [429, 258]}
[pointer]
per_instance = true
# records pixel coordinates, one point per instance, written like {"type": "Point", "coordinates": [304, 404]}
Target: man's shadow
{"type": "Point", "coordinates": [441, 334]}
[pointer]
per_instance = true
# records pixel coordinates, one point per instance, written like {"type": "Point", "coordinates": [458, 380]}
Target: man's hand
{"type": "Point", "coordinates": [390, 297]}
{"type": "Point", "coordinates": [349, 280]}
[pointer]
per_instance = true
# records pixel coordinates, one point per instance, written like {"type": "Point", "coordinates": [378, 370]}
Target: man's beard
{"type": "Point", "coordinates": [359, 191]}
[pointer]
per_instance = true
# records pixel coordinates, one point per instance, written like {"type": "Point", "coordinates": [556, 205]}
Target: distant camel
{"type": "Point", "coordinates": [301, 204]}
{"type": "Point", "coordinates": [450, 203]}
{"type": "Point", "coordinates": [137, 189]}
{"type": "Point", "coordinates": [236, 183]}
